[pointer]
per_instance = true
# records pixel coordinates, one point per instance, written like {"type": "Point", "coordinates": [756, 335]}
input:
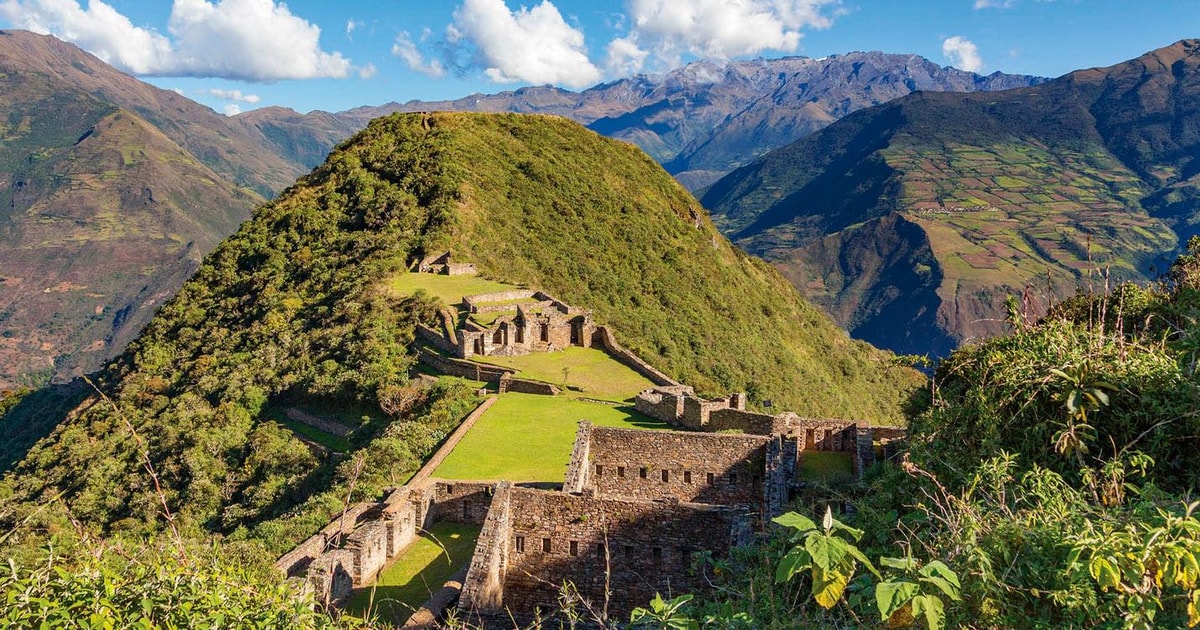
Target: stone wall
{"type": "Point", "coordinates": [435, 339]}
{"type": "Point", "coordinates": [464, 369]}
{"type": "Point", "coordinates": [368, 547]}
{"type": "Point", "coordinates": [694, 467]}
{"type": "Point", "coordinates": [483, 590]}
{"type": "Point", "coordinates": [605, 339]}
{"type": "Point", "coordinates": [538, 540]}
{"type": "Point", "coordinates": [663, 403]}
{"type": "Point", "coordinates": [730, 419]}
{"type": "Point", "coordinates": [460, 502]}
{"type": "Point", "coordinates": [511, 384]}
{"type": "Point", "coordinates": [580, 462]}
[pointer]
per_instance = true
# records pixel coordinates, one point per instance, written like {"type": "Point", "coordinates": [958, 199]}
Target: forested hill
{"type": "Point", "coordinates": [910, 222]}
{"type": "Point", "coordinates": [295, 306]}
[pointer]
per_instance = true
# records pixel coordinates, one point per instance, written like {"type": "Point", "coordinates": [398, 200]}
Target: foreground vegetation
{"type": "Point", "coordinates": [1050, 484]}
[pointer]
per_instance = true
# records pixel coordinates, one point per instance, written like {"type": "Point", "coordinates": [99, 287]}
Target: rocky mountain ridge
{"type": "Point", "coordinates": [924, 214]}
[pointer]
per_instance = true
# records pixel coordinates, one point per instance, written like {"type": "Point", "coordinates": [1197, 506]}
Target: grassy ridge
{"type": "Point", "coordinates": [296, 306]}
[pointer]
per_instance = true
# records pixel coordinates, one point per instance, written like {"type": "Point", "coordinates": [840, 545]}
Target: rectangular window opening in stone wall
{"type": "Point", "coordinates": [656, 554]}
{"type": "Point", "coordinates": [450, 489]}
{"type": "Point", "coordinates": [621, 471]}
{"type": "Point", "coordinates": [642, 473]}
{"type": "Point", "coordinates": [629, 552]}
{"type": "Point", "coordinates": [666, 475]}
{"type": "Point", "coordinates": [687, 476]}
{"type": "Point", "coordinates": [574, 548]}
{"type": "Point", "coordinates": [520, 544]}
{"type": "Point", "coordinates": [711, 479]}
{"type": "Point", "coordinates": [732, 478]}
{"type": "Point", "coordinates": [466, 509]}
{"type": "Point", "coordinates": [599, 470]}
{"type": "Point", "coordinates": [600, 551]}
{"type": "Point", "coordinates": [545, 545]}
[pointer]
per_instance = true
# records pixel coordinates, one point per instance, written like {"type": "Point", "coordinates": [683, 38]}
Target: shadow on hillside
{"type": "Point", "coordinates": [35, 417]}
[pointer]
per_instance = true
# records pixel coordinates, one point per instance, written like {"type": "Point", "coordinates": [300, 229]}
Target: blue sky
{"type": "Point", "coordinates": [236, 55]}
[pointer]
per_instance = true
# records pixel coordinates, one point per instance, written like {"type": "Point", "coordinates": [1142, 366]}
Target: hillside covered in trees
{"type": "Point", "coordinates": [178, 435]}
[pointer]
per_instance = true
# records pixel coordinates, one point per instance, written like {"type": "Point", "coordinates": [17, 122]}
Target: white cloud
{"type": "Point", "coordinates": [368, 71]}
{"type": "Point", "coordinates": [351, 26]}
{"type": "Point", "coordinates": [405, 49]}
{"type": "Point", "coordinates": [962, 53]}
{"type": "Point", "coordinates": [670, 29]}
{"type": "Point", "coordinates": [531, 44]}
{"type": "Point", "coordinates": [234, 95]}
{"type": "Point", "coordinates": [994, 4]}
{"type": "Point", "coordinates": [100, 29]}
{"type": "Point", "coordinates": [232, 109]}
{"type": "Point", "coordinates": [253, 40]}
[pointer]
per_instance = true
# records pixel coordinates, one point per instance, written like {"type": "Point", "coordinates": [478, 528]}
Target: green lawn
{"type": "Point", "coordinates": [416, 573]}
{"type": "Point", "coordinates": [824, 466]}
{"type": "Point", "coordinates": [450, 289]}
{"type": "Point", "coordinates": [592, 369]}
{"type": "Point", "coordinates": [526, 437]}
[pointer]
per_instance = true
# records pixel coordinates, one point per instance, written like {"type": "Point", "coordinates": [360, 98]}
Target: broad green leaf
{"type": "Point", "coordinates": [938, 569]}
{"type": "Point", "coordinates": [828, 586]}
{"type": "Point", "coordinates": [795, 521]}
{"type": "Point", "coordinates": [793, 562]}
{"type": "Point", "coordinates": [891, 596]}
{"type": "Point", "coordinates": [904, 564]}
{"type": "Point", "coordinates": [1104, 572]}
{"type": "Point", "coordinates": [858, 555]}
{"type": "Point", "coordinates": [1193, 609]}
{"type": "Point", "coordinates": [942, 585]}
{"type": "Point", "coordinates": [931, 607]}
{"type": "Point", "coordinates": [827, 551]}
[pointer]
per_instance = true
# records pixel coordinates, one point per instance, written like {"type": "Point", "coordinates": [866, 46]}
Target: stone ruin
{"type": "Point", "coordinates": [635, 505]}
{"type": "Point", "coordinates": [623, 527]}
{"type": "Point", "coordinates": [443, 264]}
{"type": "Point", "coordinates": [541, 323]}
{"type": "Point", "coordinates": [678, 405]}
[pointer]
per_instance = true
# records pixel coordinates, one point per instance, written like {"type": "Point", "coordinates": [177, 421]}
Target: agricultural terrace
{"type": "Point", "coordinates": [1013, 211]}
{"type": "Point", "coordinates": [588, 372]}
{"type": "Point", "coordinates": [527, 437]}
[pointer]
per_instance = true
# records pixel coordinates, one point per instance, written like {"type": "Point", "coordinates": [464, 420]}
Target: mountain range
{"type": "Point", "coordinates": [912, 222]}
{"type": "Point", "coordinates": [699, 121]}
{"type": "Point", "coordinates": [112, 190]}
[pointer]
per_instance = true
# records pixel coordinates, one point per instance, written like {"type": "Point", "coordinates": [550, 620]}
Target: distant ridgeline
{"type": "Point", "coordinates": [911, 222]}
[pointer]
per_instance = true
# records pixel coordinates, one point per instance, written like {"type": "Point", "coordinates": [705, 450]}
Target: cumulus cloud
{"type": "Point", "coordinates": [252, 40]}
{"type": "Point", "coordinates": [406, 50]}
{"type": "Point", "coordinates": [994, 4]}
{"type": "Point", "coordinates": [100, 29]}
{"type": "Point", "coordinates": [531, 44]}
{"type": "Point", "coordinates": [962, 53]}
{"type": "Point", "coordinates": [667, 30]}
{"type": "Point", "coordinates": [234, 95]}
{"type": "Point", "coordinates": [232, 109]}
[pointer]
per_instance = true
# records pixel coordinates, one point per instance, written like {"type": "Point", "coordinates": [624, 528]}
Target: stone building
{"type": "Point", "coordinates": [443, 264]}
{"type": "Point", "coordinates": [753, 471]}
{"type": "Point", "coordinates": [615, 553]}
{"type": "Point", "coordinates": [532, 321]}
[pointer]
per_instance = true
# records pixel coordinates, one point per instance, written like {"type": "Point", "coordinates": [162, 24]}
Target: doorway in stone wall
{"type": "Point", "coordinates": [544, 332]}
{"type": "Point", "coordinates": [576, 333]}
